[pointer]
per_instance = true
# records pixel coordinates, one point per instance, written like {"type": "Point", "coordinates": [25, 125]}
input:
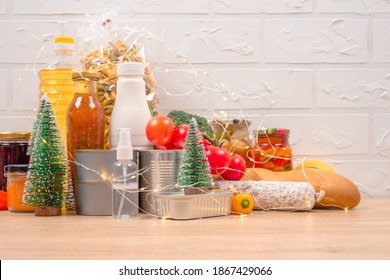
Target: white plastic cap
{"type": "Point", "coordinates": [134, 68]}
{"type": "Point", "coordinates": [124, 150]}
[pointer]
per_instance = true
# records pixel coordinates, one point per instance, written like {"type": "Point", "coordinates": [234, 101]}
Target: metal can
{"type": "Point", "coordinates": [13, 150]}
{"type": "Point", "coordinates": [158, 173]}
{"type": "Point", "coordinates": [273, 150]}
{"type": "Point", "coordinates": [93, 183]}
{"type": "Point", "coordinates": [16, 177]}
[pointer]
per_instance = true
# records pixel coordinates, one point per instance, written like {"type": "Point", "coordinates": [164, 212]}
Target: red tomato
{"type": "Point", "coordinates": [3, 200]}
{"type": "Point", "coordinates": [219, 159]}
{"type": "Point", "coordinates": [206, 143]}
{"type": "Point", "coordinates": [236, 168]}
{"type": "Point", "coordinates": [167, 146]}
{"type": "Point", "coordinates": [179, 136]}
{"type": "Point", "coordinates": [159, 130]}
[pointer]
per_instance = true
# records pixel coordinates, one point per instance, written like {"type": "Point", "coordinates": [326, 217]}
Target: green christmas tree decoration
{"type": "Point", "coordinates": [48, 185]}
{"type": "Point", "coordinates": [194, 173]}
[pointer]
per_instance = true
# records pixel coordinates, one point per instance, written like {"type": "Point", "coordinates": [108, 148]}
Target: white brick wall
{"type": "Point", "coordinates": [318, 67]}
{"type": "Point", "coordinates": [382, 134]}
{"type": "Point", "coordinates": [3, 6]}
{"type": "Point", "coordinates": [205, 41]}
{"type": "Point", "coordinates": [353, 6]}
{"type": "Point", "coordinates": [163, 6]}
{"type": "Point", "coordinates": [3, 89]}
{"type": "Point", "coordinates": [268, 90]}
{"type": "Point", "coordinates": [48, 7]}
{"type": "Point", "coordinates": [262, 6]}
{"type": "Point", "coordinates": [381, 37]}
{"type": "Point", "coordinates": [354, 88]}
{"type": "Point", "coordinates": [316, 41]}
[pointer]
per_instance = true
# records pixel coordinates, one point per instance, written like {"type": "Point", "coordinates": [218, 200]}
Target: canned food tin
{"type": "Point", "coordinates": [93, 187]}
{"type": "Point", "coordinates": [158, 173]}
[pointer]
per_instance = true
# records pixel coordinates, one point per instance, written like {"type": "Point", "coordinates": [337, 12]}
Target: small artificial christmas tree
{"type": "Point", "coordinates": [194, 173]}
{"type": "Point", "coordinates": [48, 185]}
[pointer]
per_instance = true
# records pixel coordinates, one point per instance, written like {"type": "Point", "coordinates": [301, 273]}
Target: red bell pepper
{"type": "Point", "coordinates": [3, 200]}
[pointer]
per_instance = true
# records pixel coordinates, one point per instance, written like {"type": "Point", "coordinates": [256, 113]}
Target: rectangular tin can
{"type": "Point", "coordinates": [185, 207]}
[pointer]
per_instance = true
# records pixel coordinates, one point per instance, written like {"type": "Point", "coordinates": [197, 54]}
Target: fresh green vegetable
{"type": "Point", "coordinates": [181, 117]}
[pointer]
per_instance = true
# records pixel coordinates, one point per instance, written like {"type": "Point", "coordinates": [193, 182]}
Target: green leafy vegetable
{"type": "Point", "coordinates": [181, 117]}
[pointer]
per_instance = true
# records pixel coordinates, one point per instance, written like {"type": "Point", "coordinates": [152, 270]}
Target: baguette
{"type": "Point", "coordinates": [340, 192]}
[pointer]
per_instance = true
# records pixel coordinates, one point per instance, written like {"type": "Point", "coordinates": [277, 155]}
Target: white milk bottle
{"type": "Point", "coordinates": [131, 108]}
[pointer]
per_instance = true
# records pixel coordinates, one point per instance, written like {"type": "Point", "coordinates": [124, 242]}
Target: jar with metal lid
{"type": "Point", "coordinates": [16, 177]}
{"type": "Point", "coordinates": [273, 150]}
{"type": "Point", "coordinates": [234, 136]}
{"type": "Point", "coordinates": [13, 149]}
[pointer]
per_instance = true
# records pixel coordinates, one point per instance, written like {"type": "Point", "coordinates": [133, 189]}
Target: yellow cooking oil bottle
{"type": "Point", "coordinates": [56, 79]}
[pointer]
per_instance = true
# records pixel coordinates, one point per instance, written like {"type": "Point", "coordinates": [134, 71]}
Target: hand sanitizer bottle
{"type": "Point", "coordinates": [124, 179]}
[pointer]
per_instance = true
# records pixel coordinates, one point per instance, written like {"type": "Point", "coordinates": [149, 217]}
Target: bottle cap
{"type": "Point", "coordinates": [64, 43]}
{"type": "Point", "coordinates": [86, 74]}
{"type": "Point", "coordinates": [135, 68]}
{"type": "Point", "coordinates": [124, 150]}
{"type": "Point", "coordinates": [14, 135]}
{"type": "Point", "coordinates": [16, 168]}
{"type": "Point", "coordinates": [272, 131]}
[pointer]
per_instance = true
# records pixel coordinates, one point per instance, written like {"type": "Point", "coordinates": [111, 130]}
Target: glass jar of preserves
{"type": "Point", "coordinates": [234, 136]}
{"type": "Point", "coordinates": [273, 150]}
{"type": "Point", "coordinates": [85, 119]}
{"type": "Point", "coordinates": [13, 149]}
{"type": "Point", "coordinates": [16, 177]}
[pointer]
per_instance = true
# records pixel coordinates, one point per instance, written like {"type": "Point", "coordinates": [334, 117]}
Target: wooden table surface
{"type": "Point", "coordinates": [360, 233]}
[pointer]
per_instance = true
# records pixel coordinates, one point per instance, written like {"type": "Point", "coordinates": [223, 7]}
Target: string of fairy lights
{"type": "Point", "coordinates": [135, 36]}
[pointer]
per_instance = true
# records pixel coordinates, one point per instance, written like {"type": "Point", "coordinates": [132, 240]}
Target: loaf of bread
{"type": "Point", "coordinates": [339, 191]}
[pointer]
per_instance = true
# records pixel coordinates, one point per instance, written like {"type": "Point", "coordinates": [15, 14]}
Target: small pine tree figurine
{"type": "Point", "coordinates": [48, 185]}
{"type": "Point", "coordinates": [194, 173]}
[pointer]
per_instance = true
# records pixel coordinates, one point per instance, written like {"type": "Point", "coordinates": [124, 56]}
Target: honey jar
{"type": "Point", "coordinates": [273, 150]}
{"type": "Point", "coordinates": [13, 149]}
{"type": "Point", "coordinates": [16, 177]}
